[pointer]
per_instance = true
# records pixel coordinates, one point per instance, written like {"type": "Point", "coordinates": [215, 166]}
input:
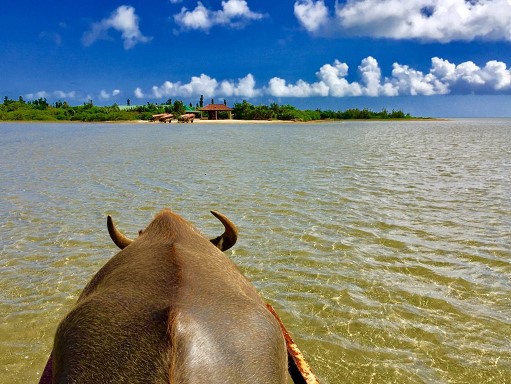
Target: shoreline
{"type": "Point", "coordinates": [262, 122]}
{"type": "Point", "coordinates": [271, 122]}
{"type": "Point", "coordinates": [226, 121]}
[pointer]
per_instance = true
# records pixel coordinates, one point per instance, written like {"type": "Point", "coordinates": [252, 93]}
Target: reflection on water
{"type": "Point", "coordinates": [384, 246]}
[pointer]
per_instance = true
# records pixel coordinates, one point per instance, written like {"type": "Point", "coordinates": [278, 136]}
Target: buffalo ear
{"type": "Point", "coordinates": [117, 237]}
{"type": "Point", "coordinates": [230, 235]}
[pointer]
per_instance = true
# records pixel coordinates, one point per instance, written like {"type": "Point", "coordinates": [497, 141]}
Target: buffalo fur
{"type": "Point", "coordinates": [169, 308]}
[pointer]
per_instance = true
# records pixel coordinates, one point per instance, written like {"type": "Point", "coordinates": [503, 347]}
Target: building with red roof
{"type": "Point", "coordinates": [213, 109]}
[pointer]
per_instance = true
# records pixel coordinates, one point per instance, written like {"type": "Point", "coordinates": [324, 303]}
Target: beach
{"type": "Point", "coordinates": [232, 121]}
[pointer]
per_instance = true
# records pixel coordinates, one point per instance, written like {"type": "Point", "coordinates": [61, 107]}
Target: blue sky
{"type": "Point", "coordinates": [426, 57]}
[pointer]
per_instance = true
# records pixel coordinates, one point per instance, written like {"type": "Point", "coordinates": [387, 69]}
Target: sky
{"type": "Point", "coordinates": [436, 58]}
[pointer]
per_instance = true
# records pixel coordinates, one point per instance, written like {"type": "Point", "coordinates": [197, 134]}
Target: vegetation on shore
{"type": "Point", "coordinates": [41, 110]}
{"type": "Point", "coordinates": [247, 111]}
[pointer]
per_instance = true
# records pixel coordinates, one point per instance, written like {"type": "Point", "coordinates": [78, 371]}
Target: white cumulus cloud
{"type": "Point", "coordinates": [494, 77]}
{"type": "Point", "coordinates": [409, 81]}
{"type": "Point", "coordinates": [37, 95]}
{"type": "Point", "coordinates": [139, 94]}
{"type": "Point", "coordinates": [279, 88]}
{"type": "Point", "coordinates": [204, 85]}
{"type": "Point", "coordinates": [234, 13]}
{"type": "Point", "coordinates": [333, 77]}
{"type": "Point", "coordinates": [245, 87]}
{"type": "Point", "coordinates": [123, 20]}
{"type": "Point", "coordinates": [432, 20]}
{"type": "Point", "coordinates": [443, 78]}
{"type": "Point", "coordinates": [333, 80]}
{"type": "Point", "coordinates": [198, 85]}
{"type": "Point", "coordinates": [105, 95]}
{"type": "Point", "coordinates": [312, 14]}
{"type": "Point", "coordinates": [63, 95]}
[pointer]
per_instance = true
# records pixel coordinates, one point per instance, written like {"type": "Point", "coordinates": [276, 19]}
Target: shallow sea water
{"type": "Point", "coordinates": [384, 246]}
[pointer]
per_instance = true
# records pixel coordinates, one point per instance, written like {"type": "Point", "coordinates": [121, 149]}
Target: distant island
{"type": "Point", "coordinates": [41, 110]}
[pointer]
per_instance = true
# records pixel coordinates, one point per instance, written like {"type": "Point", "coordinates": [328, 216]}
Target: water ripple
{"type": "Point", "coordinates": [384, 246]}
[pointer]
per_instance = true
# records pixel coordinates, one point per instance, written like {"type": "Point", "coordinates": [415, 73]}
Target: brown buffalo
{"type": "Point", "coordinates": [170, 307]}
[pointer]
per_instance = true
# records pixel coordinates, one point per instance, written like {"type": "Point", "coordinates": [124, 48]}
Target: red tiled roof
{"type": "Point", "coordinates": [215, 107]}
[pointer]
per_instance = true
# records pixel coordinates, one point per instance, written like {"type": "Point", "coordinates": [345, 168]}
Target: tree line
{"type": "Point", "coordinates": [41, 110]}
{"type": "Point", "coordinates": [247, 111]}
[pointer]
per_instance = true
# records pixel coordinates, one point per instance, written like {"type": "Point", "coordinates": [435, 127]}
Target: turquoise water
{"type": "Point", "coordinates": [384, 246]}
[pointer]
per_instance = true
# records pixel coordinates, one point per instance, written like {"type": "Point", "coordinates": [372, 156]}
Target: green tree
{"type": "Point", "coordinates": [178, 108]}
{"type": "Point", "coordinates": [40, 110]}
{"type": "Point", "coordinates": [243, 110]}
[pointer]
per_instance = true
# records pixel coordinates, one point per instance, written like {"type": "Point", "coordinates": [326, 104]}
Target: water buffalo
{"type": "Point", "coordinates": [170, 307]}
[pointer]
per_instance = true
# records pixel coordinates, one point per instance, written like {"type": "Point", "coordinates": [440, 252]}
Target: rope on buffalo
{"type": "Point", "coordinates": [299, 370]}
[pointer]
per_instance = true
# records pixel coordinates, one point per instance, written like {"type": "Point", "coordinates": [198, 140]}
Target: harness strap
{"type": "Point", "coordinates": [46, 377]}
{"type": "Point", "coordinates": [299, 370]}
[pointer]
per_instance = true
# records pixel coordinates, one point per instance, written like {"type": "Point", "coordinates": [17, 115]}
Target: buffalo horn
{"type": "Point", "coordinates": [230, 235]}
{"type": "Point", "coordinates": [117, 237]}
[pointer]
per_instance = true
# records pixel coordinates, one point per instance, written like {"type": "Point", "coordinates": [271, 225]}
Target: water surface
{"type": "Point", "coordinates": [385, 246]}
